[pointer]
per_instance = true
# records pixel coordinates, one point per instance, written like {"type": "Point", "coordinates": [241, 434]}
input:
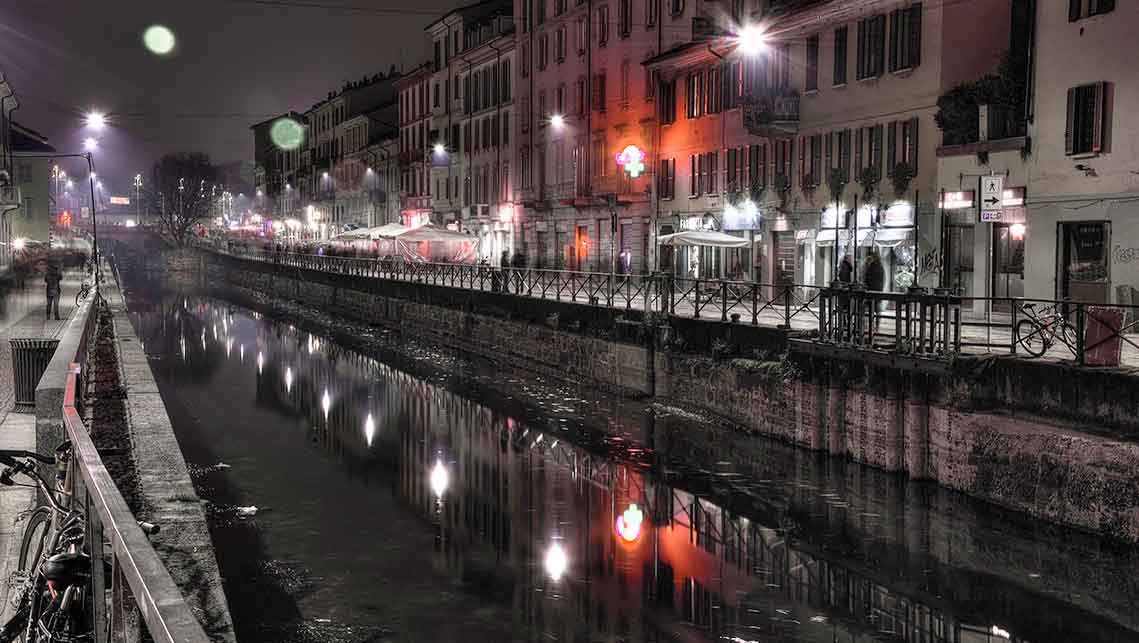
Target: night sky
{"type": "Point", "coordinates": [237, 62]}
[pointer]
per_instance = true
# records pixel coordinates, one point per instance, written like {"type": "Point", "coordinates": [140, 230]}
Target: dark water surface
{"type": "Point", "coordinates": [475, 505]}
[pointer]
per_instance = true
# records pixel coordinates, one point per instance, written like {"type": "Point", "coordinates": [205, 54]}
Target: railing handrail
{"type": "Point", "coordinates": [163, 608]}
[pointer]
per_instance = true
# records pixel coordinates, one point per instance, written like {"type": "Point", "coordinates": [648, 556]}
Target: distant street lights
{"type": "Point", "coordinates": [96, 120]}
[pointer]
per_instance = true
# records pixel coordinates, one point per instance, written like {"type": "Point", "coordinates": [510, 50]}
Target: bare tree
{"type": "Point", "coordinates": [182, 192]}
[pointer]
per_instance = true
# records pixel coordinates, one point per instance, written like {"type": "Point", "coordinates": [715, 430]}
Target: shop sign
{"type": "Point", "coordinates": [992, 197]}
{"type": "Point", "coordinates": [957, 200]}
{"type": "Point", "coordinates": [899, 214]}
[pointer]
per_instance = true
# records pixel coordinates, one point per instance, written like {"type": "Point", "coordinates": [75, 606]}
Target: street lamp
{"type": "Point", "coordinates": [751, 40]}
{"type": "Point", "coordinates": [96, 120]}
{"type": "Point", "coordinates": [90, 144]}
{"type": "Point", "coordinates": [558, 121]}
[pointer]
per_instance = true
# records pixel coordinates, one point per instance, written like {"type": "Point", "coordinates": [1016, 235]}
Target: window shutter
{"type": "Point", "coordinates": [913, 145]}
{"type": "Point", "coordinates": [1097, 122]}
{"type": "Point", "coordinates": [860, 67]}
{"type": "Point", "coordinates": [896, 39]}
{"type": "Point", "coordinates": [915, 35]}
{"type": "Point", "coordinates": [802, 161]}
{"type": "Point", "coordinates": [845, 156]}
{"type": "Point", "coordinates": [891, 147]}
{"type": "Point", "coordinates": [1070, 123]}
{"type": "Point", "coordinates": [858, 149]}
{"type": "Point", "coordinates": [1074, 10]}
{"type": "Point", "coordinates": [829, 158]}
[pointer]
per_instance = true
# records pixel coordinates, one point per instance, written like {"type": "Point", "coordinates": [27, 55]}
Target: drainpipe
{"type": "Point", "coordinates": [497, 135]}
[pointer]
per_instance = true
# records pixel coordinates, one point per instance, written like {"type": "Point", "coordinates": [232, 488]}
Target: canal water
{"type": "Point", "coordinates": [365, 497]}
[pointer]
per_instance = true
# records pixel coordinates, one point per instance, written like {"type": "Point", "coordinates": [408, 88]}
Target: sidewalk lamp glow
{"type": "Point", "coordinates": [90, 144]}
{"type": "Point", "coordinates": [556, 561]}
{"type": "Point", "coordinates": [440, 149]}
{"type": "Point", "coordinates": [751, 40]}
{"type": "Point", "coordinates": [558, 121]}
{"type": "Point", "coordinates": [439, 479]}
{"type": "Point", "coordinates": [96, 120]}
{"type": "Point", "coordinates": [19, 243]}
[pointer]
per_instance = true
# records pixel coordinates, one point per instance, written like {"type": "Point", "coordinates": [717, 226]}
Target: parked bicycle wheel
{"type": "Point", "coordinates": [1031, 336]}
{"type": "Point", "coordinates": [31, 552]}
{"type": "Point", "coordinates": [82, 294]}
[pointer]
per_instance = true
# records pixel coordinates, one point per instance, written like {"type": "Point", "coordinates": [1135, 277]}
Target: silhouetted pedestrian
{"type": "Point", "coordinates": [52, 279]}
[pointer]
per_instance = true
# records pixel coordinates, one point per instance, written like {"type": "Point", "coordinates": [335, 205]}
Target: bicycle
{"type": "Point", "coordinates": [53, 577]}
{"type": "Point", "coordinates": [1040, 331]}
{"type": "Point", "coordinates": [84, 290]}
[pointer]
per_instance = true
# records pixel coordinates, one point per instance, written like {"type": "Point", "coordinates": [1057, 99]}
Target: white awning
{"type": "Point", "coordinates": [826, 237]}
{"type": "Point", "coordinates": [891, 237]}
{"type": "Point", "coordinates": [703, 238]}
{"type": "Point", "coordinates": [387, 231]}
{"type": "Point", "coordinates": [428, 232]}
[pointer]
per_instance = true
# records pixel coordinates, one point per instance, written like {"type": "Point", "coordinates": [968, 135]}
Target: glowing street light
{"type": "Point", "coordinates": [439, 148]}
{"type": "Point", "coordinates": [96, 120]}
{"type": "Point", "coordinates": [556, 561]}
{"type": "Point", "coordinates": [439, 479]}
{"type": "Point", "coordinates": [751, 40]}
{"type": "Point", "coordinates": [90, 144]}
{"type": "Point", "coordinates": [558, 121]}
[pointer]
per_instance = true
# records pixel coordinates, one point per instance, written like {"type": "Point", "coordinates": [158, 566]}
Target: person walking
{"type": "Point", "coordinates": [52, 279]}
{"type": "Point", "coordinates": [874, 276]}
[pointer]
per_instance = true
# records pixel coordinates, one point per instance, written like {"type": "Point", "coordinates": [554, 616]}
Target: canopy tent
{"type": "Point", "coordinates": [708, 238]}
{"type": "Point", "coordinates": [891, 237]}
{"type": "Point", "coordinates": [387, 231]}
{"type": "Point", "coordinates": [358, 234]}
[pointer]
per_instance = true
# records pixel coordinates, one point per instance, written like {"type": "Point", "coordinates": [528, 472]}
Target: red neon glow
{"type": "Point", "coordinates": [629, 523]}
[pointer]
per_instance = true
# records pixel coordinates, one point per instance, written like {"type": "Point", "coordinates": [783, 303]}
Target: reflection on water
{"type": "Point", "coordinates": [390, 507]}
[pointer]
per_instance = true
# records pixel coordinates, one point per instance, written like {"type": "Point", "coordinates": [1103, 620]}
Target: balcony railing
{"type": "Point", "coordinates": [10, 196]}
{"type": "Point", "coordinates": [771, 113]}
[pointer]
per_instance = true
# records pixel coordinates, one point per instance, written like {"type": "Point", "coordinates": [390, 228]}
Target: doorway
{"type": "Point", "coordinates": [1084, 271]}
{"type": "Point", "coordinates": [1008, 264]}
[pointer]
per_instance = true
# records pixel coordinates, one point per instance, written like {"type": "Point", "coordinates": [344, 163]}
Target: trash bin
{"type": "Point", "coordinates": [1101, 336]}
{"type": "Point", "coordinates": [30, 357]}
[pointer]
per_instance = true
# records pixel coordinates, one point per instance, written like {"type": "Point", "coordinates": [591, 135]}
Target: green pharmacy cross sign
{"type": "Point", "coordinates": [632, 159]}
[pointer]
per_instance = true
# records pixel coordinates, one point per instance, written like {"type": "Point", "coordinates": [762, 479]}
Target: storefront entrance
{"type": "Point", "coordinates": [1084, 268]}
{"type": "Point", "coordinates": [1008, 263]}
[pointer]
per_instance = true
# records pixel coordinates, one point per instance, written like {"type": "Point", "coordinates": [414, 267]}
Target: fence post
{"type": "Point", "coordinates": [754, 304]}
{"type": "Point", "coordinates": [1012, 327]}
{"type": "Point", "coordinates": [787, 307]}
{"type": "Point", "coordinates": [723, 301]}
{"type": "Point", "coordinates": [695, 299]}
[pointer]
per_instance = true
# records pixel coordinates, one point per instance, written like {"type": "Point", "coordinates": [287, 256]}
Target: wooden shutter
{"type": "Point", "coordinates": [829, 158]}
{"type": "Point", "coordinates": [844, 153]}
{"type": "Point", "coordinates": [1074, 10]}
{"type": "Point", "coordinates": [858, 150]}
{"type": "Point", "coordinates": [891, 147]}
{"type": "Point", "coordinates": [802, 160]}
{"type": "Point", "coordinates": [1097, 121]}
{"type": "Point", "coordinates": [915, 35]}
{"type": "Point", "coordinates": [860, 62]}
{"type": "Point", "coordinates": [1070, 123]}
{"type": "Point", "coordinates": [896, 39]}
{"type": "Point", "coordinates": [913, 145]}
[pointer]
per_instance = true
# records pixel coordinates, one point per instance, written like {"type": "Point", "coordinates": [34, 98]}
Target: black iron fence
{"type": "Point", "coordinates": [922, 322]}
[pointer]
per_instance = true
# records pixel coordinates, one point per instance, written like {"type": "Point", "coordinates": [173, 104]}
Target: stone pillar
{"type": "Point", "coordinates": [916, 427]}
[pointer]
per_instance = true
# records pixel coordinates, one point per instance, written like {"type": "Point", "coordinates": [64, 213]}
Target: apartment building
{"type": "Point", "coordinates": [1081, 240]}
{"type": "Point", "coordinates": [414, 129]}
{"type": "Point", "coordinates": [585, 137]}
{"type": "Point", "coordinates": [472, 114]}
{"type": "Point", "coordinates": [32, 176]}
{"type": "Point", "coordinates": [363, 177]}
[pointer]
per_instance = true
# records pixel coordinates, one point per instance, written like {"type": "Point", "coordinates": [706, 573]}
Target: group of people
{"type": "Point", "coordinates": [873, 278]}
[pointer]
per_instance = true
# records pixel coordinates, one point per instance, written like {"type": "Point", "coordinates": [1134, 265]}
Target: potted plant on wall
{"type": "Point", "coordinates": [868, 178]}
{"type": "Point", "coordinates": [901, 178]}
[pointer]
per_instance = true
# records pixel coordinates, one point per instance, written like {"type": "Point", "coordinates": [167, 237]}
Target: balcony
{"type": "Point", "coordinates": [414, 202]}
{"type": "Point", "coordinates": [627, 190]}
{"type": "Point", "coordinates": [771, 113]}
{"type": "Point", "coordinates": [10, 196]}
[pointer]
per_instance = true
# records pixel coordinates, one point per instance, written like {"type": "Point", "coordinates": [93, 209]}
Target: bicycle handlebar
{"type": "Point", "coordinates": [8, 456]}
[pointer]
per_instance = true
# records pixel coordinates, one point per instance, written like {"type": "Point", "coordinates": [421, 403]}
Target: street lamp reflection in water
{"type": "Point", "coordinates": [288, 379]}
{"type": "Point", "coordinates": [369, 429]}
{"type": "Point", "coordinates": [260, 361]}
{"type": "Point", "coordinates": [325, 403]}
{"type": "Point", "coordinates": [556, 561]}
{"type": "Point", "coordinates": [439, 479]}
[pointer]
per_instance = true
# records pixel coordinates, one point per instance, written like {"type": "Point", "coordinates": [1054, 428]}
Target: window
{"type": "Point", "coordinates": [602, 25]}
{"type": "Point", "coordinates": [438, 56]}
{"type": "Point", "coordinates": [876, 148]}
{"type": "Point", "coordinates": [1084, 133]}
{"type": "Point", "coordinates": [710, 170]}
{"type": "Point", "coordinates": [784, 150]}
{"type": "Point", "coordinates": [815, 175]}
{"type": "Point", "coordinates": [905, 38]}
{"type": "Point", "coordinates": [506, 128]}
{"type": "Point", "coordinates": [580, 97]}
{"type": "Point", "coordinates": [599, 92]}
{"type": "Point", "coordinates": [624, 17]}
{"type": "Point", "coordinates": [910, 144]}
{"type": "Point", "coordinates": [543, 51]}
{"type": "Point", "coordinates": [871, 46]}
{"type": "Point", "coordinates": [542, 115]}
{"type": "Point", "coordinates": [666, 180]}
{"type": "Point", "coordinates": [24, 172]}
{"type": "Point", "coordinates": [844, 153]}
{"type": "Point", "coordinates": [651, 8]}
{"type": "Point", "coordinates": [559, 7]}
{"type": "Point", "coordinates": [675, 7]}
{"type": "Point", "coordinates": [560, 45]}
{"type": "Point", "coordinates": [693, 95]}
{"type": "Point", "coordinates": [812, 63]}
{"type": "Point", "coordinates": [541, 13]}
{"type": "Point", "coordinates": [524, 65]}
{"type": "Point", "coordinates": [694, 169]}
{"type": "Point", "coordinates": [668, 102]}
{"type": "Point", "coordinates": [650, 83]}
{"type": "Point", "coordinates": [504, 74]}
{"type": "Point", "coordinates": [1078, 9]}
{"type": "Point", "coordinates": [781, 66]}
{"type": "Point", "coordinates": [757, 164]}
{"type": "Point", "coordinates": [560, 100]}
{"type": "Point", "coordinates": [713, 90]}
{"type": "Point", "coordinates": [891, 147]}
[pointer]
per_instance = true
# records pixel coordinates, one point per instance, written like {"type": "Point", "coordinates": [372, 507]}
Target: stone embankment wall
{"type": "Point", "coordinates": [1032, 437]}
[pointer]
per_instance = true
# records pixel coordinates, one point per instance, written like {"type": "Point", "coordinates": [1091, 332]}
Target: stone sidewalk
{"type": "Point", "coordinates": [22, 314]}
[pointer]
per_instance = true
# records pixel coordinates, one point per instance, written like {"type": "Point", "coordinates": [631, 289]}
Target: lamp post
{"type": "Point", "coordinates": [138, 196]}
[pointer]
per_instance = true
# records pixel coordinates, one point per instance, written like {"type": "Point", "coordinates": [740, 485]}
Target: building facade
{"type": "Point", "coordinates": [414, 129]}
{"type": "Point", "coordinates": [32, 173]}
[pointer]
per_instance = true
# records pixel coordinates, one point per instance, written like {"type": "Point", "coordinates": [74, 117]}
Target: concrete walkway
{"type": "Point", "coordinates": [22, 314]}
